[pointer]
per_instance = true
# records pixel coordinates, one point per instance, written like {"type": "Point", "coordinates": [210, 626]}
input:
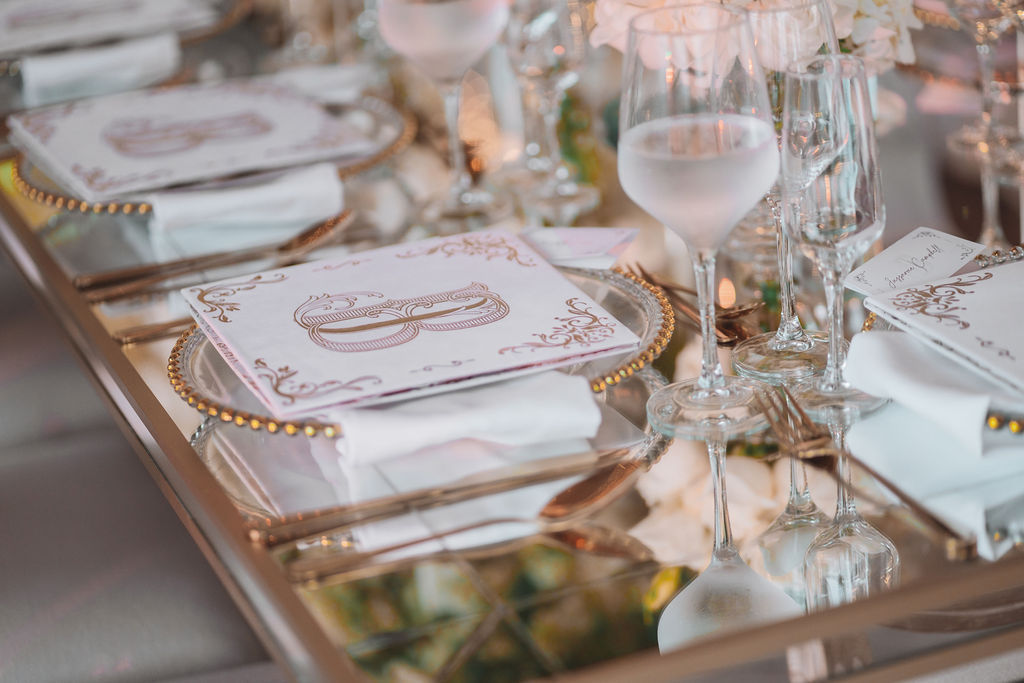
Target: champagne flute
{"type": "Point", "coordinates": [444, 38]}
{"type": "Point", "coordinates": [546, 46]}
{"type": "Point", "coordinates": [833, 195]}
{"type": "Point", "coordinates": [785, 32]}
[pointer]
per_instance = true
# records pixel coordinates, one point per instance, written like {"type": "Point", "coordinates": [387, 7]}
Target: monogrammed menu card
{"type": "Point", "coordinates": [114, 146]}
{"type": "Point", "coordinates": [971, 318]}
{"type": "Point", "coordinates": [402, 321]}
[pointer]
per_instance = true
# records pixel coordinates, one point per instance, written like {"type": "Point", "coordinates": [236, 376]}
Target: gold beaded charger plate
{"type": "Point", "coordinates": [221, 446]}
{"type": "Point", "coordinates": [203, 378]}
{"type": "Point", "coordinates": [390, 130]}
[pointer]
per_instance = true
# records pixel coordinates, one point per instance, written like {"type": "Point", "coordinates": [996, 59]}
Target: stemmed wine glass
{"type": "Point", "coordinates": [546, 47]}
{"type": "Point", "coordinates": [445, 38]}
{"type": "Point", "coordinates": [697, 151]}
{"type": "Point", "coordinates": [850, 559]}
{"type": "Point", "coordinates": [785, 32]}
{"type": "Point", "coordinates": [833, 196]}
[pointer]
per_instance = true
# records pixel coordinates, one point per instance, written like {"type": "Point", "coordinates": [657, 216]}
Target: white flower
{"type": "Point", "coordinates": [877, 30]}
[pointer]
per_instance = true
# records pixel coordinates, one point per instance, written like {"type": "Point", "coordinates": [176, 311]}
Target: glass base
{"type": "Point", "coordinates": [559, 205]}
{"type": "Point", "coordinates": [767, 359]}
{"type": "Point", "coordinates": [966, 139]}
{"type": "Point", "coordinates": [848, 561]}
{"type": "Point", "coordinates": [686, 410]}
{"type": "Point", "coordinates": [784, 544]}
{"type": "Point", "coordinates": [842, 404]}
{"type": "Point", "coordinates": [472, 209]}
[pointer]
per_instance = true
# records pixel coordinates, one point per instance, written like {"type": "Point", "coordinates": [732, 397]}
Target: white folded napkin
{"type": "Point", "coordinates": [252, 212]}
{"type": "Point", "coordinates": [937, 471]}
{"type": "Point", "coordinates": [299, 475]}
{"type": "Point", "coordinates": [73, 74]}
{"type": "Point", "coordinates": [952, 398]}
{"type": "Point", "coordinates": [533, 409]}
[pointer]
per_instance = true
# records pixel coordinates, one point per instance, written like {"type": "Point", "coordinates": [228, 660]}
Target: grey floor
{"type": "Point", "coordinates": [98, 579]}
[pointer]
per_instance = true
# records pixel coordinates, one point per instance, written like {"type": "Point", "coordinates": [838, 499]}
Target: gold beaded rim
{"type": "Point", "coordinates": [63, 202]}
{"type": "Point", "coordinates": [312, 428]}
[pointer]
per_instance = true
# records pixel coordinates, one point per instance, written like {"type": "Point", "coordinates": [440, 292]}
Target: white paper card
{"type": "Point", "coordinates": [969, 318]}
{"type": "Point", "coordinates": [402, 321]}
{"type": "Point", "coordinates": [921, 256]}
{"type": "Point", "coordinates": [581, 247]}
{"type": "Point", "coordinates": [110, 147]}
{"type": "Point", "coordinates": [32, 25]}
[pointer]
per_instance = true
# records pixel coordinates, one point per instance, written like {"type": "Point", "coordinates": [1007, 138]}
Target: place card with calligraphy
{"type": "Point", "coordinates": [971, 318]}
{"type": "Point", "coordinates": [401, 322]}
{"type": "Point", "coordinates": [921, 256]}
{"type": "Point", "coordinates": [115, 146]}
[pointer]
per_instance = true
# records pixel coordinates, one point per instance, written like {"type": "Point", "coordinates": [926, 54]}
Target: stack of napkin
{"type": "Point", "coordinates": [73, 74]}
{"type": "Point", "coordinates": [934, 442]}
{"type": "Point", "coordinates": [424, 443]}
{"type": "Point", "coordinates": [262, 210]}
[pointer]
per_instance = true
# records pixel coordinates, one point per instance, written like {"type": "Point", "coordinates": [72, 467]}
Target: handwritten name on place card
{"type": "Point", "coordinates": [921, 256]}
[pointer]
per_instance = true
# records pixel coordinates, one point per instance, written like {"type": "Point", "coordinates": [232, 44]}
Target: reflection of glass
{"type": "Point", "coordinates": [727, 594]}
{"type": "Point", "coordinates": [546, 45]}
{"type": "Point", "coordinates": [833, 194]}
{"type": "Point", "coordinates": [850, 559]}
{"type": "Point", "coordinates": [697, 151]}
{"type": "Point", "coordinates": [783, 33]}
{"type": "Point", "coordinates": [445, 38]}
{"type": "Point", "coordinates": [784, 543]}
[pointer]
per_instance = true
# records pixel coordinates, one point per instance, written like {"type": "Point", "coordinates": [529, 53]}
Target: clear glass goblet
{"type": "Point", "coordinates": [697, 151]}
{"type": "Point", "coordinates": [785, 32]}
{"type": "Point", "coordinates": [444, 38]}
{"type": "Point", "coordinates": [546, 47]}
{"type": "Point", "coordinates": [833, 195]}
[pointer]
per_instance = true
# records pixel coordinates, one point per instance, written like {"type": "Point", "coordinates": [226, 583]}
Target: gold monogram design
{"type": "Point", "coordinates": [142, 137]}
{"type": "Point", "coordinates": [940, 301]}
{"type": "Point", "coordinates": [368, 325]}
{"type": "Point", "coordinates": [582, 328]}
{"type": "Point", "coordinates": [283, 383]}
{"type": "Point", "coordinates": [215, 298]}
{"type": "Point", "coordinates": [489, 246]}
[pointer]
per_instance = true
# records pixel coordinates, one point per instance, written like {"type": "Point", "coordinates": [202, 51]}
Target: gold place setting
{"type": "Point", "coordinates": [507, 339]}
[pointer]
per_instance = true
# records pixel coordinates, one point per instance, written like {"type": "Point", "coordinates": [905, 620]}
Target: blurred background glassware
{"type": "Point", "coordinates": [444, 38]}
{"type": "Point", "coordinates": [783, 33]}
{"type": "Point", "coordinates": [833, 195]}
{"type": "Point", "coordinates": [546, 47]}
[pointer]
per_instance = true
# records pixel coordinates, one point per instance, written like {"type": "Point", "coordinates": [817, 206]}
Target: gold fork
{"type": "Point", "coordinates": [800, 437]}
{"type": "Point", "coordinates": [729, 326]}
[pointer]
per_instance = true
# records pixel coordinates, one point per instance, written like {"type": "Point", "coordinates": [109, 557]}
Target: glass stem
{"type": "Point", "coordinates": [845, 505]}
{"type": "Point", "coordinates": [789, 323]}
{"type": "Point", "coordinates": [550, 105]}
{"type": "Point", "coordinates": [534, 138]}
{"type": "Point", "coordinates": [799, 490]}
{"type": "Point", "coordinates": [991, 228]}
{"type": "Point", "coordinates": [704, 270]}
{"type": "Point", "coordinates": [723, 530]}
{"type": "Point", "coordinates": [832, 278]}
{"type": "Point", "coordinates": [461, 180]}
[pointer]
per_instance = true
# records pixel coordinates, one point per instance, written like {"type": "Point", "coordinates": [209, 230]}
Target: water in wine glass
{"type": "Point", "coordinates": [699, 174]}
{"type": "Point", "coordinates": [442, 38]}
{"type": "Point", "coordinates": [727, 595]}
